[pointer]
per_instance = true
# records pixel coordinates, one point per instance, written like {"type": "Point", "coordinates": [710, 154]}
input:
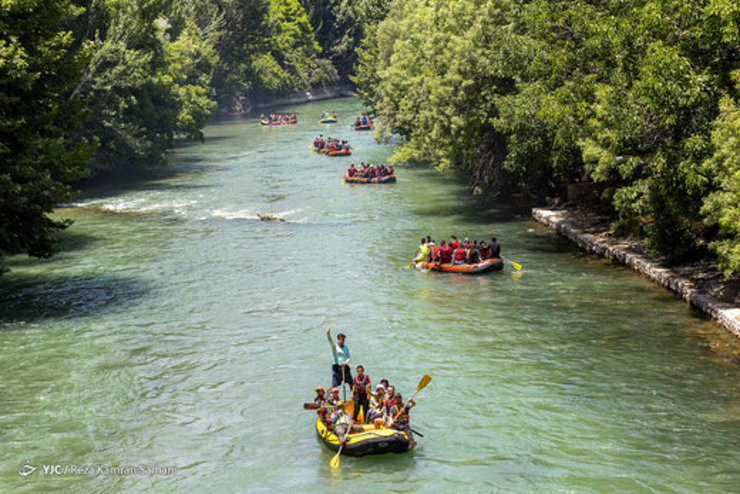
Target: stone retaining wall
{"type": "Point", "coordinates": [725, 314]}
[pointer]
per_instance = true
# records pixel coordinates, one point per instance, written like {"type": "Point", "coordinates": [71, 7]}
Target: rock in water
{"type": "Point", "coordinates": [269, 217]}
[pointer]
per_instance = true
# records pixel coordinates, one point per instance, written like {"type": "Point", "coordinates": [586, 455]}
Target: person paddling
{"type": "Point", "coordinates": [320, 399]}
{"type": "Point", "coordinates": [342, 423]}
{"type": "Point", "coordinates": [341, 373]}
{"type": "Point", "coordinates": [400, 418]}
{"type": "Point", "coordinates": [422, 251]}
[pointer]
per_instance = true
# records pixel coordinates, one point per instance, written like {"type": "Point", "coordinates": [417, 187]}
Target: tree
{"type": "Point", "coordinates": [722, 206]}
{"type": "Point", "coordinates": [39, 153]}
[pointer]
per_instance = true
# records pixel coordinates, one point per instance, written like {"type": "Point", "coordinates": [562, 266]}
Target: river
{"type": "Point", "coordinates": [177, 330]}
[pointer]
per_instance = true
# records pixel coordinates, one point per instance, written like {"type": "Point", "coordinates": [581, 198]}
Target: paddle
{"type": "Point", "coordinates": [422, 384]}
{"type": "Point", "coordinates": [514, 265]}
{"type": "Point", "coordinates": [334, 463]}
{"type": "Point", "coordinates": [416, 432]}
{"type": "Point", "coordinates": [344, 389]}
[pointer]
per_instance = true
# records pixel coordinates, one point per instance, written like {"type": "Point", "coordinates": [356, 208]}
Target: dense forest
{"type": "Point", "coordinates": [634, 104]}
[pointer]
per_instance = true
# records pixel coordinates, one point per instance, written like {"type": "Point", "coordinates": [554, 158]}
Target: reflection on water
{"type": "Point", "coordinates": [180, 330]}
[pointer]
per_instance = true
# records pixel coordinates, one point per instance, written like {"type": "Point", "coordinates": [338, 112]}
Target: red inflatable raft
{"type": "Point", "coordinates": [389, 179]}
{"type": "Point", "coordinates": [339, 152]}
{"type": "Point", "coordinates": [490, 264]}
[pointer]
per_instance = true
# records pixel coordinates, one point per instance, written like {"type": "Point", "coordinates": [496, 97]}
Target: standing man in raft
{"type": "Point", "coordinates": [341, 372]}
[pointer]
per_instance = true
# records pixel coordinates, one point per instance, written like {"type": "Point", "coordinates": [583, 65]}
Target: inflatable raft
{"type": "Point", "coordinates": [370, 442]}
{"type": "Point", "coordinates": [367, 126]}
{"type": "Point", "coordinates": [390, 179]}
{"type": "Point", "coordinates": [328, 120]}
{"type": "Point", "coordinates": [339, 152]}
{"type": "Point", "coordinates": [279, 122]}
{"type": "Point", "coordinates": [490, 264]}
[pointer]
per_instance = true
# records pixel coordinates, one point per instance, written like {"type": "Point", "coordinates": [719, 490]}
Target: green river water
{"type": "Point", "coordinates": [177, 330]}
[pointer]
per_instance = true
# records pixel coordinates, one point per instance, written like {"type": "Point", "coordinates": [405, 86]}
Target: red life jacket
{"type": "Point", "coordinates": [459, 254]}
{"type": "Point", "coordinates": [403, 415]}
{"type": "Point", "coordinates": [454, 245]}
{"type": "Point", "coordinates": [445, 254]}
{"type": "Point", "coordinates": [361, 386]}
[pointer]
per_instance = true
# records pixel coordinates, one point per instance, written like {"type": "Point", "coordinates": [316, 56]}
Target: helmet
{"type": "Point", "coordinates": [319, 388]}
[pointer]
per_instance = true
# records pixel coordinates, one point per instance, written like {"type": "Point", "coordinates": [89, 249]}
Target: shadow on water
{"type": "Point", "coordinates": [30, 298]}
{"type": "Point", "coordinates": [188, 144]}
{"type": "Point", "coordinates": [470, 210]}
{"type": "Point", "coordinates": [116, 181]}
{"type": "Point", "coordinates": [70, 241]}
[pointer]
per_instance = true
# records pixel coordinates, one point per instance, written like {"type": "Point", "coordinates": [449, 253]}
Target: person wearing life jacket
{"type": "Point", "coordinates": [334, 115]}
{"type": "Point", "coordinates": [433, 250]}
{"type": "Point", "coordinates": [333, 397]}
{"type": "Point", "coordinates": [351, 171]}
{"type": "Point", "coordinates": [364, 120]}
{"type": "Point", "coordinates": [400, 418]}
{"type": "Point", "coordinates": [357, 122]}
{"type": "Point", "coordinates": [376, 404]}
{"type": "Point", "coordinates": [445, 253]}
{"type": "Point", "coordinates": [483, 250]}
{"type": "Point", "coordinates": [360, 385]}
{"type": "Point", "coordinates": [320, 399]}
{"type": "Point", "coordinates": [388, 401]}
{"type": "Point", "coordinates": [342, 424]}
{"type": "Point", "coordinates": [453, 242]}
{"type": "Point", "coordinates": [473, 254]}
{"type": "Point", "coordinates": [422, 251]}
{"type": "Point", "coordinates": [459, 255]}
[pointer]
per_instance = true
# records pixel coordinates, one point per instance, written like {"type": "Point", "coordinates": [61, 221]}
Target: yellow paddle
{"type": "Point", "coordinates": [422, 384]}
{"type": "Point", "coordinates": [334, 463]}
{"type": "Point", "coordinates": [514, 265]}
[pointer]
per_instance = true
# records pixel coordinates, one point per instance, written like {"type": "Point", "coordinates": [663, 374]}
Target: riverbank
{"type": "Point", "coordinates": [246, 107]}
{"type": "Point", "coordinates": [699, 283]}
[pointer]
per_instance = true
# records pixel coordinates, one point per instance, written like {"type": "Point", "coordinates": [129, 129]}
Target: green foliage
{"type": "Point", "coordinates": [543, 93]}
{"type": "Point", "coordinates": [132, 75]}
{"type": "Point", "coordinates": [291, 61]}
{"type": "Point", "coordinates": [38, 157]}
{"type": "Point", "coordinates": [722, 206]}
{"type": "Point", "coordinates": [341, 25]}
